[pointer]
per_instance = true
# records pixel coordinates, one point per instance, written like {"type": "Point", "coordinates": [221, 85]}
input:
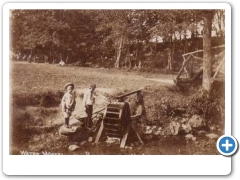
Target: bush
{"type": "Point", "coordinates": [163, 105]}
{"type": "Point", "coordinates": [46, 99]}
{"type": "Point", "coordinates": [211, 107]}
{"type": "Point", "coordinates": [50, 99]}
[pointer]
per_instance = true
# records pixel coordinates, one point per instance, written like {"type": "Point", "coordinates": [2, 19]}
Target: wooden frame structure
{"type": "Point", "coordinates": [188, 64]}
{"type": "Point", "coordinates": [117, 121]}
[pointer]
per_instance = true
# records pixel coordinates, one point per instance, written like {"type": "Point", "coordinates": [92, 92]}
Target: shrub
{"type": "Point", "coordinates": [211, 107]}
{"type": "Point", "coordinates": [46, 99]}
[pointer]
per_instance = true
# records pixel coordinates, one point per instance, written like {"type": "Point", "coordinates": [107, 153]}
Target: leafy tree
{"type": "Point", "coordinates": [91, 35]}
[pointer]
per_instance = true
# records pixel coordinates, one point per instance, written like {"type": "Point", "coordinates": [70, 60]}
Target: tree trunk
{"type": "Point", "coordinates": [207, 56]}
{"type": "Point", "coordinates": [172, 55]}
{"type": "Point", "coordinates": [186, 45]}
{"type": "Point", "coordinates": [119, 50]}
{"type": "Point", "coordinates": [30, 56]}
{"type": "Point", "coordinates": [130, 63]}
{"type": "Point", "coordinates": [169, 65]}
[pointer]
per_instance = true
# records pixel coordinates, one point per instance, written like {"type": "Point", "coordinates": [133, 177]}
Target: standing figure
{"type": "Point", "coordinates": [88, 101]}
{"type": "Point", "coordinates": [68, 103]}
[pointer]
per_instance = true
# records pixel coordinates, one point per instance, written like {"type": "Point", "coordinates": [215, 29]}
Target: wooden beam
{"type": "Point", "coordinates": [190, 53]}
{"type": "Point", "coordinates": [139, 138]}
{"type": "Point", "coordinates": [185, 81]}
{"type": "Point", "coordinates": [202, 50]}
{"type": "Point", "coordinates": [195, 57]}
{"type": "Point", "coordinates": [182, 68]}
{"type": "Point", "coordinates": [99, 133]}
{"type": "Point", "coordinates": [218, 68]}
{"type": "Point", "coordinates": [99, 110]}
{"type": "Point", "coordinates": [125, 136]}
{"type": "Point", "coordinates": [128, 94]}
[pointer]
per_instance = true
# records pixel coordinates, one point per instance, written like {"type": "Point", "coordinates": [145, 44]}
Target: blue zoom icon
{"type": "Point", "coordinates": [227, 145]}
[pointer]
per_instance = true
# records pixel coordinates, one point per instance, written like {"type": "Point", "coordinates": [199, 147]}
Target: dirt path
{"type": "Point", "coordinates": [163, 81]}
{"type": "Point", "coordinates": [37, 78]}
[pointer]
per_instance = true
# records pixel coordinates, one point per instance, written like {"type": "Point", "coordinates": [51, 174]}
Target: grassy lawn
{"type": "Point", "coordinates": [37, 78]}
{"type": "Point", "coordinates": [162, 101]}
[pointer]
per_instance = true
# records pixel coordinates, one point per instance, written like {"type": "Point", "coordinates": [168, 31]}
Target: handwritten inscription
{"type": "Point", "coordinates": [45, 153]}
{"type": "Point", "coordinates": [39, 153]}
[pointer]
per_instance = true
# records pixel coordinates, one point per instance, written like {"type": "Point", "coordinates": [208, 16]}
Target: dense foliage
{"type": "Point", "coordinates": [110, 38]}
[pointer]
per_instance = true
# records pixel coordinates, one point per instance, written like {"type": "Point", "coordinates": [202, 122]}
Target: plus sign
{"type": "Point", "coordinates": [227, 145]}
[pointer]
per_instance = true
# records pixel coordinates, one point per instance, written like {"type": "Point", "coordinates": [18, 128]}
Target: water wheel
{"type": "Point", "coordinates": [116, 119]}
{"type": "Point", "coordinates": [117, 123]}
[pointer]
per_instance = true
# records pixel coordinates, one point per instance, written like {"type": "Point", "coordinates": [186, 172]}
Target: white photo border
{"type": "Point", "coordinates": [117, 164]}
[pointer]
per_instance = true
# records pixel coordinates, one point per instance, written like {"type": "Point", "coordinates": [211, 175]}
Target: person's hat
{"type": "Point", "coordinates": [93, 86]}
{"type": "Point", "coordinates": [69, 84]}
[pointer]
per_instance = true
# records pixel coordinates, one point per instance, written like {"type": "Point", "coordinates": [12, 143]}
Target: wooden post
{"type": "Point", "coordinates": [125, 136]}
{"type": "Point", "coordinates": [182, 68]}
{"type": "Point", "coordinates": [128, 94]}
{"type": "Point", "coordinates": [99, 133]}
{"type": "Point", "coordinates": [218, 68]}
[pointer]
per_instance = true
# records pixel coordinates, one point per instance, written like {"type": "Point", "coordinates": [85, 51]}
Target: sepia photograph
{"type": "Point", "coordinates": [116, 81]}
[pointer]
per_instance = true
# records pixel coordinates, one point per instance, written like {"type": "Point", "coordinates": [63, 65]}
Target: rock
{"type": "Point", "coordinates": [128, 147]}
{"type": "Point", "coordinates": [186, 115]}
{"type": "Point", "coordinates": [67, 131]}
{"type": "Point", "coordinates": [73, 147]}
{"type": "Point", "coordinates": [184, 120]}
{"type": "Point", "coordinates": [113, 140]}
{"type": "Point", "coordinates": [36, 138]}
{"type": "Point", "coordinates": [148, 130]}
{"type": "Point", "coordinates": [212, 136]}
{"type": "Point", "coordinates": [90, 139]}
{"type": "Point", "coordinates": [83, 142]}
{"type": "Point", "coordinates": [153, 127]}
{"type": "Point", "coordinates": [212, 128]}
{"type": "Point", "coordinates": [186, 128]}
{"type": "Point", "coordinates": [162, 133]}
{"type": "Point", "coordinates": [157, 131]}
{"type": "Point", "coordinates": [202, 132]}
{"type": "Point", "coordinates": [174, 127]}
{"type": "Point", "coordinates": [197, 121]}
{"type": "Point", "coordinates": [75, 122]}
{"type": "Point", "coordinates": [189, 137]}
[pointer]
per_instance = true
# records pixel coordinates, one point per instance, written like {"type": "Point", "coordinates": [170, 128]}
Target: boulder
{"type": "Point", "coordinates": [197, 121]}
{"type": "Point", "coordinates": [63, 130]}
{"type": "Point", "coordinates": [186, 128]}
{"type": "Point", "coordinates": [201, 132]}
{"type": "Point", "coordinates": [213, 128]}
{"type": "Point", "coordinates": [212, 136]}
{"type": "Point", "coordinates": [128, 147]}
{"type": "Point", "coordinates": [148, 130]}
{"type": "Point", "coordinates": [73, 147]}
{"type": "Point", "coordinates": [190, 137]}
{"type": "Point", "coordinates": [174, 127]}
{"type": "Point", "coordinates": [90, 139]}
{"type": "Point", "coordinates": [157, 131]}
{"type": "Point", "coordinates": [113, 140]}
